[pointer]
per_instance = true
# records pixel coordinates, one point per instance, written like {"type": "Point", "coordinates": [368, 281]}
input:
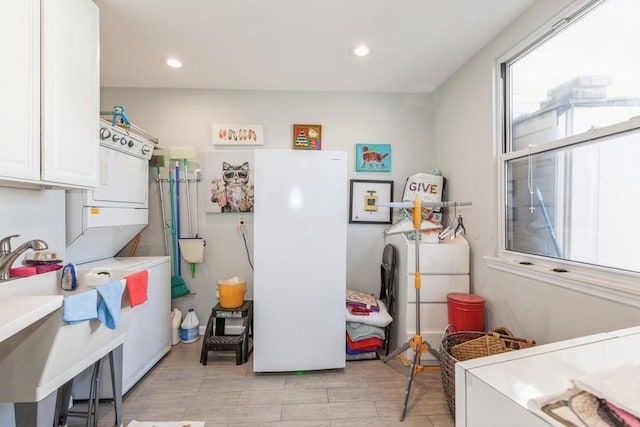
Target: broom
{"type": "Point", "coordinates": [178, 286]}
{"type": "Point", "coordinates": [158, 162]}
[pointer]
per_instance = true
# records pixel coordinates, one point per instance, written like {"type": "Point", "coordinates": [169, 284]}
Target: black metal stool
{"type": "Point", "coordinates": [215, 338]}
{"type": "Point", "coordinates": [91, 414]}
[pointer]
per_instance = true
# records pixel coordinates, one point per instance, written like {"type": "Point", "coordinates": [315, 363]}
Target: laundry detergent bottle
{"type": "Point", "coordinates": [190, 329]}
{"type": "Point", "coordinates": [176, 318]}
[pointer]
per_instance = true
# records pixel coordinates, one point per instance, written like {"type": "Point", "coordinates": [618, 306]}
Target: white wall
{"type": "Point", "coordinates": [465, 147]}
{"type": "Point", "coordinates": [184, 117]}
{"type": "Point", "coordinates": [33, 214]}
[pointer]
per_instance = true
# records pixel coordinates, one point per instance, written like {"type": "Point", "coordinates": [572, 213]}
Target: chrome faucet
{"type": "Point", "coordinates": [7, 256]}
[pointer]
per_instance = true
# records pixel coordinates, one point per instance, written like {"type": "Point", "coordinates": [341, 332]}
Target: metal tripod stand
{"type": "Point", "coordinates": [416, 343]}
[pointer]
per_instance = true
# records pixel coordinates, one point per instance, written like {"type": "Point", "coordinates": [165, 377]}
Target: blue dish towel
{"type": "Point", "coordinates": [81, 307]}
{"type": "Point", "coordinates": [110, 303]}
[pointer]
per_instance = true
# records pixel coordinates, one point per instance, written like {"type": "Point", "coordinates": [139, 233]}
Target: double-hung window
{"type": "Point", "coordinates": [570, 135]}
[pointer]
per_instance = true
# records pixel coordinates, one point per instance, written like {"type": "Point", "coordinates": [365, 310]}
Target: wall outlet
{"type": "Point", "coordinates": [241, 222]}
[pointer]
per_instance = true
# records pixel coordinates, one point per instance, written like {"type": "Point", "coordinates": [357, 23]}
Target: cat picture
{"type": "Point", "coordinates": [233, 192]}
{"type": "Point", "coordinates": [373, 158]}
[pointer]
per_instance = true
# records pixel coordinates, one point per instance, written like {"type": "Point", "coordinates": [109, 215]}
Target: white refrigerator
{"type": "Point", "coordinates": [300, 239]}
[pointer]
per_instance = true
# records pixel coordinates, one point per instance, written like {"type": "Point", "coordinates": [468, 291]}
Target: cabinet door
{"type": "Point", "coordinates": [20, 90]}
{"type": "Point", "coordinates": [70, 92]}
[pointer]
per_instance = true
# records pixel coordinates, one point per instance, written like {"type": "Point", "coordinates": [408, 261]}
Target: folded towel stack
{"type": "Point", "coordinates": [360, 303]}
{"type": "Point", "coordinates": [366, 319]}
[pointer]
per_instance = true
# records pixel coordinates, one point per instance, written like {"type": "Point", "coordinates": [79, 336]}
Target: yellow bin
{"type": "Point", "coordinates": [232, 291]}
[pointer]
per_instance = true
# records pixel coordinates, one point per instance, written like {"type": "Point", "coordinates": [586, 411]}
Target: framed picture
{"type": "Point", "coordinates": [307, 137]}
{"type": "Point", "coordinates": [227, 181]}
{"type": "Point", "coordinates": [365, 196]}
{"type": "Point", "coordinates": [224, 134]}
{"type": "Point", "coordinates": [373, 157]}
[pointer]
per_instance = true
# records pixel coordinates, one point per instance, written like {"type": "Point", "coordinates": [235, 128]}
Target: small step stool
{"type": "Point", "coordinates": [215, 338]}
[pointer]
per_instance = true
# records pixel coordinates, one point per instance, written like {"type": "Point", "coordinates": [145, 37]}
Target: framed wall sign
{"type": "Point", "coordinates": [373, 157]}
{"type": "Point", "coordinates": [307, 137]}
{"type": "Point", "coordinates": [224, 134]}
{"type": "Point", "coordinates": [364, 198]}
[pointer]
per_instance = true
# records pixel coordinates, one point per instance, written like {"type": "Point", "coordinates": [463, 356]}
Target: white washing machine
{"type": "Point", "coordinates": [99, 223]}
{"type": "Point", "coordinates": [147, 335]}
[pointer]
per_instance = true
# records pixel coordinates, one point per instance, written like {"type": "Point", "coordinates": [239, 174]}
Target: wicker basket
{"type": "Point", "coordinates": [489, 344]}
{"type": "Point", "coordinates": [447, 364]}
{"type": "Point", "coordinates": [460, 346]}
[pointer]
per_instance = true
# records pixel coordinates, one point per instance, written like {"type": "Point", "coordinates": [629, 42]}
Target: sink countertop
{"type": "Point", "coordinates": [18, 312]}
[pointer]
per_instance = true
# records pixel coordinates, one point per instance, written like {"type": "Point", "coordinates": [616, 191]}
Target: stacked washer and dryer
{"type": "Point", "coordinates": [99, 223]}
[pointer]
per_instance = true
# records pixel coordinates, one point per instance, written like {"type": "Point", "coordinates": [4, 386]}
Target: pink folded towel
{"type": "Point", "coordinates": [45, 268]}
{"type": "Point", "coordinates": [137, 287]}
{"type": "Point", "coordinates": [22, 271]}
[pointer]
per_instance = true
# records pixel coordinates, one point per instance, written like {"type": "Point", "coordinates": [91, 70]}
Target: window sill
{"type": "Point", "coordinates": [601, 287]}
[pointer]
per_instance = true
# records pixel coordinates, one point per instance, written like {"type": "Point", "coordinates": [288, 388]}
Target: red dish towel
{"type": "Point", "coordinates": [137, 287]}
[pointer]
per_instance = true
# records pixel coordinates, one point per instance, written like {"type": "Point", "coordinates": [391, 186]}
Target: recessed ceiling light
{"type": "Point", "coordinates": [361, 50]}
{"type": "Point", "coordinates": [173, 62]}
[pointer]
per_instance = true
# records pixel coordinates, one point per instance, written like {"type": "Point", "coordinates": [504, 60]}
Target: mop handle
{"type": "Point", "coordinates": [174, 240]}
{"type": "Point", "coordinates": [178, 215]}
{"type": "Point", "coordinates": [164, 215]}
{"type": "Point", "coordinates": [196, 174]}
{"type": "Point", "coordinates": [186, 183]}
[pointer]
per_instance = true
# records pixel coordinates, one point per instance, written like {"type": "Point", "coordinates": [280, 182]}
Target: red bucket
{"type": "Point", "coordinates": [466, 312]}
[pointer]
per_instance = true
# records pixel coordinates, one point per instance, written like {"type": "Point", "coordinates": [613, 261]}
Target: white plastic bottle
{"type": "Point", "coordinates": [190, 330]}
{"type": "Point", "coordinates": [176, 318]}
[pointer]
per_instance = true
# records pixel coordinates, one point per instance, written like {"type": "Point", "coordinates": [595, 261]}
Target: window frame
{"type": "Point", "coordinates": [604, 282]}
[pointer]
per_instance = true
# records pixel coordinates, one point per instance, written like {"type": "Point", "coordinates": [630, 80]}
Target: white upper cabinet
{"type": "Point", "coordinates": [50, 129]}
{"type": "Point", "coordinates": [20, 89]}
{"type": "Point", "coordinates": [70, 92]}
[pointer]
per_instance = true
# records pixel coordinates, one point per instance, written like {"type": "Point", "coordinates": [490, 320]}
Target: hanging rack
{"type": "Point", "coordinates": [180, 180]}
{"type": "Point", "coordinates": [417, 344]}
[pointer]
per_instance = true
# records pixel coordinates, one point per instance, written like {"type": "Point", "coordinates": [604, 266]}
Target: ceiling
{"type": "Point", "coordinates": [295, 44]}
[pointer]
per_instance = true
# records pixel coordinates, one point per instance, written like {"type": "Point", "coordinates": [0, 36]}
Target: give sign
{"type": "Point", "coordinates": [427, 187]}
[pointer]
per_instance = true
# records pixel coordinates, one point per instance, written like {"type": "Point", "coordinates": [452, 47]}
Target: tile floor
{"type": "Point", "coordinates": [365, 393]}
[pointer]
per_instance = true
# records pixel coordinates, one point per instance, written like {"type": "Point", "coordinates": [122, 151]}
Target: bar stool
{"type": "Point", "coordinates": [215, 338]}
{"type": "Point", "coordinates": [91, 414]}
{"type": "Point", "coordinates": [93, 403]}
